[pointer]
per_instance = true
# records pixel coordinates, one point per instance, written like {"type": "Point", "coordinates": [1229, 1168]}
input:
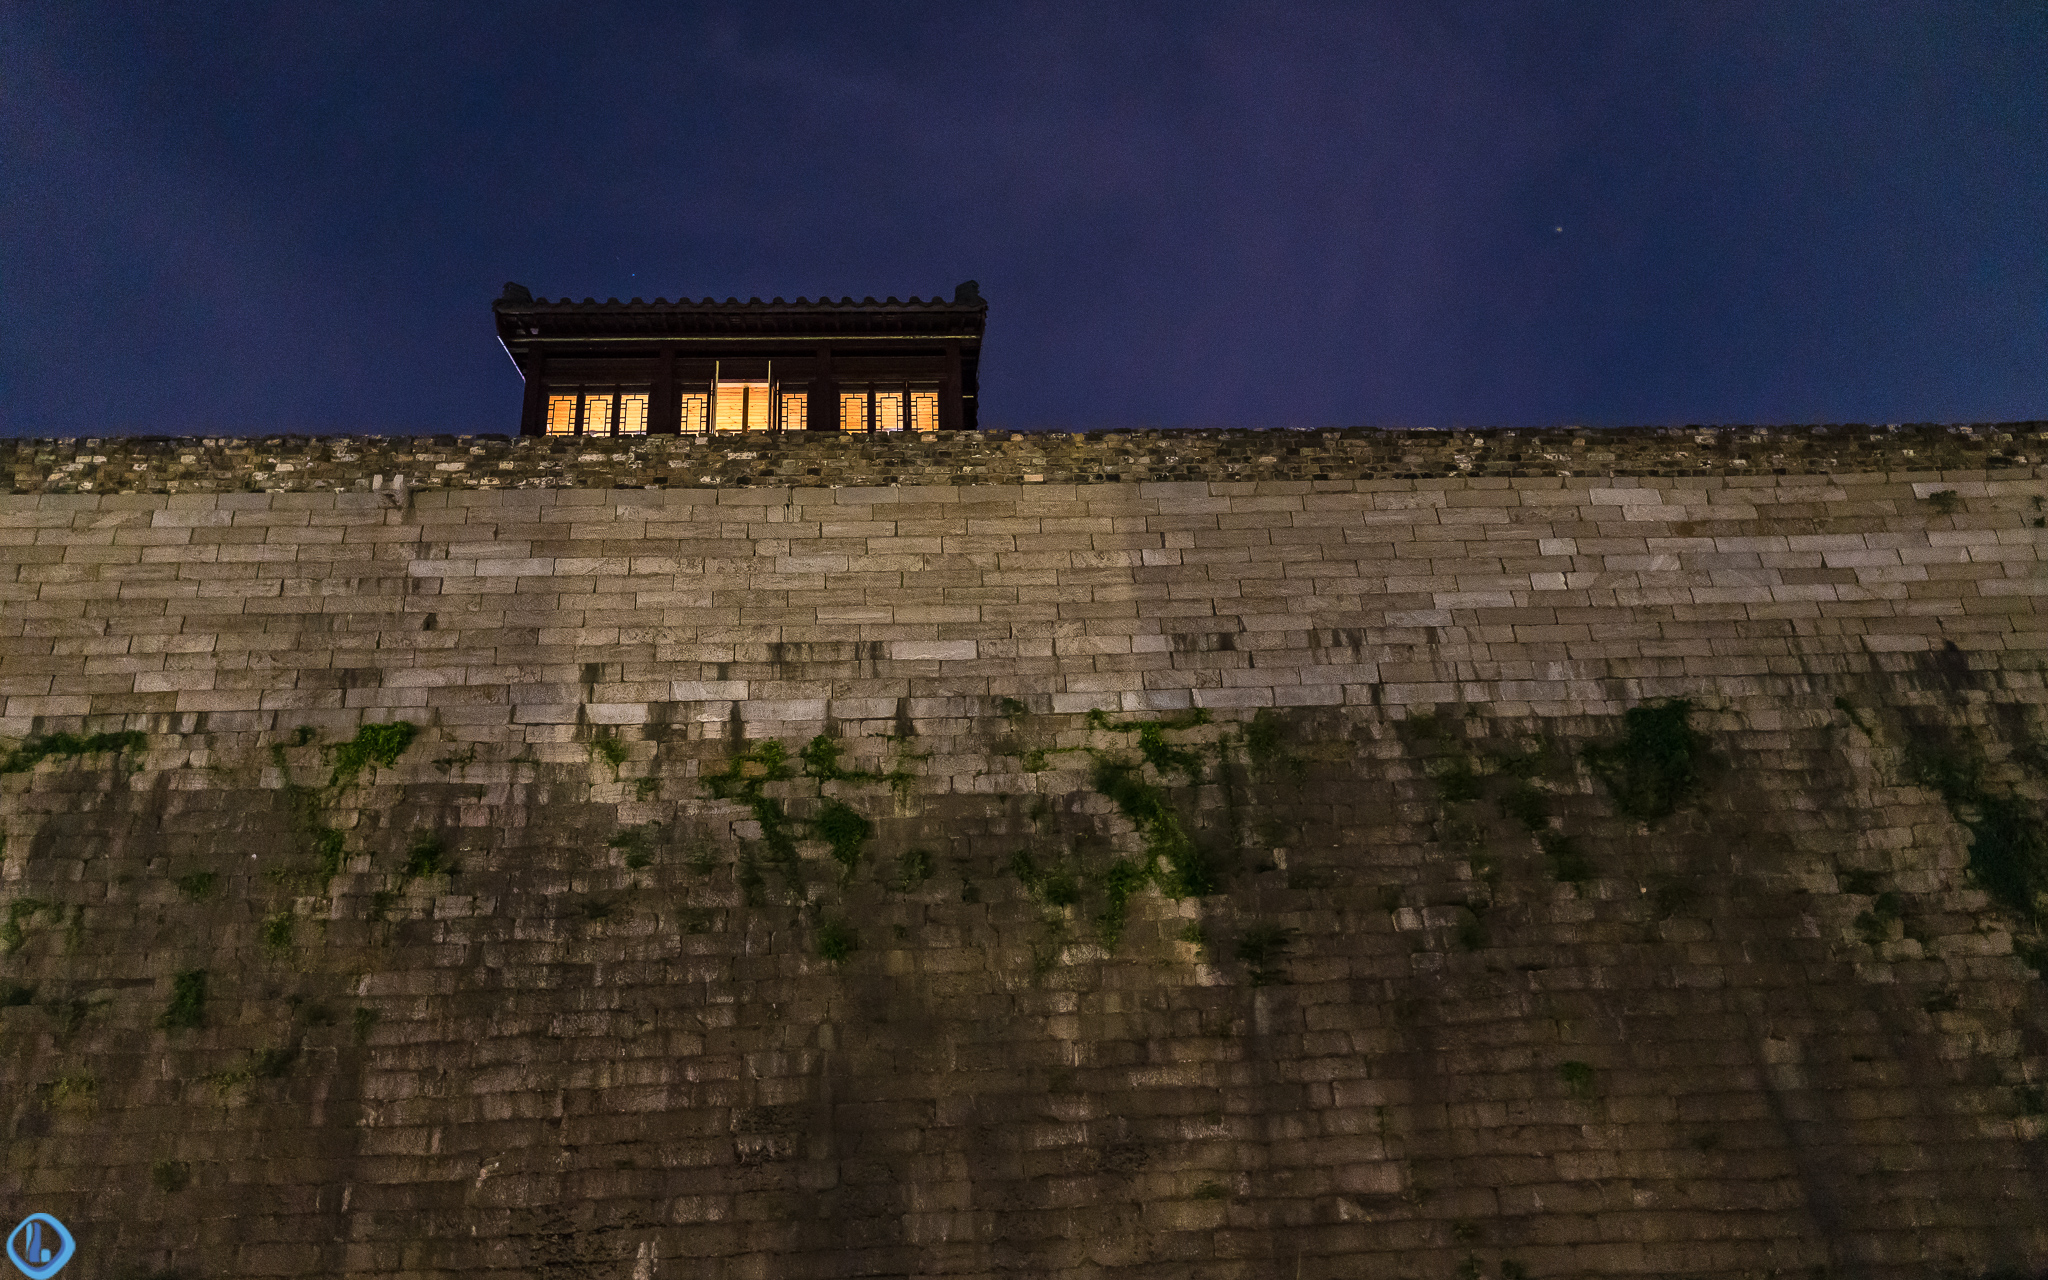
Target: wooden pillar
{"type": "Point", "coordinates": [533, 410]}
{"type": "Point", "coordinates": [665, 417]}
{"type": "Point", "coordinates": [949, 391]}
{"type": "Point", "coordinates": [970, 394]}
{"type": "Point", "coordinates": [821, 412]}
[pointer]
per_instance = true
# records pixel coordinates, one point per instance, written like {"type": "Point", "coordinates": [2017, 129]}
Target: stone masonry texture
{"type": "Point", "coordinates": [1261, 856]}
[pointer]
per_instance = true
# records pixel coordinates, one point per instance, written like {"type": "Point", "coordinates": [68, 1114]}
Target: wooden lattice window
{"type": "Point", "coordinates": [853, 411]}
{"type": "Point", "coordinates": [888, 411]}
{"type": "Point", "coordinates": [795, 404]}
{"type": "Point", "coordinates": [596, 411]}
{"type": "Point", "coordinates": [633, 413]}
{"type": "Point", "coordinates": [695, 406]}
{"type": "Point", "coordinates": [924, 411]}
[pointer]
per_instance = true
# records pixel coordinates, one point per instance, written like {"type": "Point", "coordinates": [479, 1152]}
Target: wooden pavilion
{"type": "Point", "coordinates": [633, 368]}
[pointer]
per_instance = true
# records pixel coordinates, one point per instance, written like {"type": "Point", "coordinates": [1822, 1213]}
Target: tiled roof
{"type": "Point", "coordinates": [965, 298]}
{"type": "Point", "coordinates": [525, 319]}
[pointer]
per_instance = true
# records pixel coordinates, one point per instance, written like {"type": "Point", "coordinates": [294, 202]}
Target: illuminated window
{"type": "Point", "coordinates": [597, 415]}
{"type": "Point", "coordinates": [888, 411]}
{"type": "Point", "coordinates": [793, 409]}
{"type": "Point", "coordinates": [853, 411]}
{"type": "Point", "coordinates": [562, 415]}
{"type": "Point", "coordinates": [742, 406]}
{"type": "Point", "coordinates": [694, 407]}
{"type": "Point", "coordinates": [633, 413]}
{"type": "Point", "coordinates": [924, 411]}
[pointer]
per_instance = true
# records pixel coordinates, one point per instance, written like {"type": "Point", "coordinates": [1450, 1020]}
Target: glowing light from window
{"type": "Point", "coordinates": [853, 411]}
{"type": "Point", "coordinates": [888, 411]}
{"type": "Point", "coordinates": [695, 405]}
{"type": "Point", "coordinates": [633, 413]}
{"type": "Point", "coordinates": [742, 406]}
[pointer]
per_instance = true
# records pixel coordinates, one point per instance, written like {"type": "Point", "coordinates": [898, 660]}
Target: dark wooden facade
{"type": "Point", "coordinates": [665, 367]}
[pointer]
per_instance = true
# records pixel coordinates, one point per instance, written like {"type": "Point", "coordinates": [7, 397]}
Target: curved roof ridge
{"type": "Point", "coordinates": [752, 304]}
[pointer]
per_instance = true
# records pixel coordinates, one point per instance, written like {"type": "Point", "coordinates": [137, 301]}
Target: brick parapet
{"type": "Point", "coordinates": [286, 464]}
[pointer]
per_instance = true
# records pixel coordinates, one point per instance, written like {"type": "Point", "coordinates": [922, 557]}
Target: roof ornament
{"type": "Point", "coordinates": [966, 293]}
{"type": "Point", "coordinates": [515, 292]}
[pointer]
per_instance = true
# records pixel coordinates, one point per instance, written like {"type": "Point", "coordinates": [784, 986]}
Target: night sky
{"type": "Point", "coordinates": [293, 217]}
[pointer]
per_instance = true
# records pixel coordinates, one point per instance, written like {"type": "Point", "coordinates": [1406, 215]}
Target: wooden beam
{"type": "Point", "coordinates": [821, 409]}
{"type": "Point", "coordinates": [533, 410]}
{"type": "Point", "coordinates": [664, 415]}
{"type": "Point", "coordinates": [949, 391]}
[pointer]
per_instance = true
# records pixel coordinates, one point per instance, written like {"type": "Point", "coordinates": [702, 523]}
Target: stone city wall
{"type": "Point", "coordinates": [1451, 875]}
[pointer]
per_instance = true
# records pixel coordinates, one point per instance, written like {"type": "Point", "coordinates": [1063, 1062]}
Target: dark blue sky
{"type": "Point", "coordinates": [293, 217]}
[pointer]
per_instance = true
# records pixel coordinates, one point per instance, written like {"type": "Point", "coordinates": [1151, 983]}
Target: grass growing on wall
{"type": "Point", "coordinates": [1053, 886]}
{"type": "Point", "coordinates": [323, 841]}
{"type": "Point", "coordinates": [187, 1009]}
{"type": "Point", "coordinates": [1655, 767]}
{"type": "Point", "coordinates": [1170, 858]}
{"type": "Point", "coordinates": [746, 778]}
{"type": "Point", "coordinates": [637, 844]}
{"type": "Point", "coordinates": [78, 1090]}
{"type": "Point", "coordinates": [170, 1176]}
{"type": "Point", "coordinates": [373, 745]}
{"type": "Point", "coordinates": [2008, 844]}
{"type": "Point", "coordinates": [277, 932]}
{"type": "Point", "coordinates": [1578, 1079]}
{"type": "Point", "coordinates": [20, 911]}
{"type": "Point", "coordinates": [845, 831]}
{"type": "Point", "coordinates": [1457, 781]}
{"type": "Point", "coordinates": [1265, 745]}
{"type": "Point", "coordinates": [820, 757]}
{"type": "Point", "coordinates": [610, 749]}
{"type": "Point", "coordinates": [1120, 883]}
{"type": "Point", "coordinates": [843, 828]}
{"type": "Point", "coordinates": [427, 855]}
{"type": "Point", "coordinates": [60, 746]}
{"type": "Point", "coordinates": [913, 868]}
{"type": "Point", "coordinates": [837, 941]}
{"type": "Point", "coordinates": [2008, 848]}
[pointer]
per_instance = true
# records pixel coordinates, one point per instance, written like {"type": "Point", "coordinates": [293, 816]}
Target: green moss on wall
{"type": "Point", "coordinates": [373, 745]}
{"type": "Point", "coordinates": [187, 1009]}
{"type": "Point", "coordinates": [844, 831]}
{"type": "Point", "coordinates": [23, 911]}
{"type": "Point", "coordinates": [2008, 847]}
{"type": "Point", "coordinates": [1655, 767]}
{"type": "Point", "coordinates": [60, 746]}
